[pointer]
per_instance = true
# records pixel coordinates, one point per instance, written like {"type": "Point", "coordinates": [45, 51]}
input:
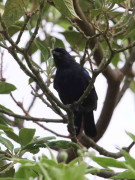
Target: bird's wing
{"type": "Point", "coordinates": [91, 101]}
{"type": "Point", "coordinates": [71, 83]}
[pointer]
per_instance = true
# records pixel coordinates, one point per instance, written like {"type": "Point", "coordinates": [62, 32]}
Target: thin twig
{"type": "Point", "coordinates": [82, 61]}
{"type": "Point", "coordinates": [40, 96]}
{"type": "Point", "coordinates": [19, 104]}
{"type": "Point", "coordinates": [28, 16]}
{"type": "Point", "coordinates": [31, 118]}
{"type": "Point", "coordinates": [103, 151]}
{"type": "Point", "coordinates": [123, 89]}
{"type": "Point", "coordinates": [90, 55]}
{"type": "Point", "coordinates": [37, 26]}
{"type": "Point", "coordinates": [31, 104]}
{"type": "Point", "coordinates": [125, 48]}
{"type": "Point", "coordinates": [53, 132]}
{"type": "Point", "coordinates": [1, 66]}
{"type": "Point", "coordinates": [3, 46]}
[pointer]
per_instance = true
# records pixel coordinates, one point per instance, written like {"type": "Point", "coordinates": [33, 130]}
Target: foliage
{"type": "Point", "coordinates": [101, 33]}
{"type": "Point", "coordinates": [47, 168]}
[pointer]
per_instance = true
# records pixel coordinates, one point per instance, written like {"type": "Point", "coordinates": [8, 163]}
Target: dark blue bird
{"type": "Point", "coordinates": [70, 82]}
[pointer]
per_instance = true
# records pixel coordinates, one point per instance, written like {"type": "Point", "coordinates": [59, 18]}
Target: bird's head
{"type": "Point", "coordinates": [58, 52]}
{"type": "Point", "coordinates": [61, 56]}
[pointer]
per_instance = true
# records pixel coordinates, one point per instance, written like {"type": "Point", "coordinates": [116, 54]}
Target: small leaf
{"type": "Point", "coordinates": [75, 172]}
{"type": "Point", "coordinates": [59, 43]}
{"type": "Point", "coordinates": [5, 128]}
{"type": "Point", "coordinates": [15, 28]}
{"type": "Point", "coordinates": [26, 136]}
{"type": "Point", "coordinates": [129, 160]}
{"type": "Point", "coordinates": [13, 136]}
{"type": "Point", "coordinates": [116, 59]}
{"type": "Point", "coordinates": [124, 175]}
{"type": "Point", "coordinates": [118, 1]}
{"type": "Point", "coordinates": [75, 39]}
{"type": "Point", "coordinates": [66, 8]}
{"type": "Point", "coordinates": [3, 120]}
{"type": "Point", "coordinates": [109, 162]}
{"type": "Point", "coordinates": [14, 10]}
{"type": "Point", "coordinates": [8, 173]}
{"type": "Point", "coordinates": [13, 178]}
{"type": "Point", "coordinates": [62, 144]}
{"type": "Point", "coordinates": [96, 12]}
{"type": "Point", "coordinates": [131, 135]}
{"type": "Point", "coordinates": [132, 86]}
{"type": "Point", "coordinates": [42, 140]}
{"type": "Point", "coordinates": [31, 80]}
{"type": "Point", "coordinates": [26, 173]}
{"type": "Point", "coordinates": [34, 146]}
{"type": "Point", "coordinates": [45, 52]}
{"type": "Point", "coordinates": [6, 143]}
{"type": "Point", "coordinates": [6, 88]}
{"type": "Point", "coordinates": [3, 107]}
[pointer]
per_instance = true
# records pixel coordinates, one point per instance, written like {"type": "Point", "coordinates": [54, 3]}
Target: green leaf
{"type": "Point", "coordinates": [26, 136]}
{"type": "Point", "coordinates": [3, 120]}
{"type": "Point", "coordinates": [13, 136]}
{"type": "Point", "coordinates": [59, 43]}
{"type": "Point", "coordinates": [34, 146]}
{"type": "Point", "coordinates": [14, 10]}
{"type": "Point", "coordinates": [109, 162]}
{"type": "Point", "coordinates": [124, 175]}
{"type": "Point", "coordinates": [75, 172]}
{"type": "Point", "coordinates": [3, 107]}
{"type": "Point", "coordinates": [5, 128]}
{"type": "Point", "coordinates": [96, 12]}
{"type": "Point", "coordinates": [12, 178]}
{"type": "Point", "coordinates": [31, 80]}
{"type": "Point", "coordinates": [63, 144]}
{"type": "Point", "coordinates": [45, 52]}
{"type": "Point", "coordinates": [15, 28]}
{"type": "Point", "coordinates": [118, 1]}
{"type": "Point", "coordinates": [131, 135]}
{"type": "Point", "coordinates": [129, 160]}
{"type": "Point", "coordinates": [66, 8]}
{"type": "Point", "coordinates": [75, 39]}
{"type": "Point", "coordinates": [26, 173]}
{"type": "Point", "coordinates": [8, 173]}
{"type": "Point", "coordinates": [6, 88]}
{"type": "Point", "coordinates": [132, 86]}
{"type": "Point", "coordinates": [42, 140]}
{"type": "Point", "coordinates": [6, 143]}
{"type": "Point", "coordinates": [116, 59]}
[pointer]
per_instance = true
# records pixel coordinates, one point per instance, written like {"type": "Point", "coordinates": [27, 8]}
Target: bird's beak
{"type": "Point", "coordinates": [55, 53]}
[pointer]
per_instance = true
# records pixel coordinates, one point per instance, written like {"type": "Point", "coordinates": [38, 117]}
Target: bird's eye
{"type": "Point", "coordinates": [55, 53]}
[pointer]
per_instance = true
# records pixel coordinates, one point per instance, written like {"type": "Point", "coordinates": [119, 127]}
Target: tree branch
{"type": "Point", "coordinates": [126, 69]}
{"type": "Point", "coordinates": [87, 142]}
{"type": "Point", "coordinates": [30, 118]}
{"type": "Point", "coordinates": [53, 132]}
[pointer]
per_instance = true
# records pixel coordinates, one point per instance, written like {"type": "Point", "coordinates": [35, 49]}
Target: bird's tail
{"type": "Point", "coordinates": [78, 121]}
{"type": "Point", "coordinates": [89, 124]}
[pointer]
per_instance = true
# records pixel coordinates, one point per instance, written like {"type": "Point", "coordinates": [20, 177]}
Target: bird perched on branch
{"type": "Point", "coordinates": [70, 82]}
